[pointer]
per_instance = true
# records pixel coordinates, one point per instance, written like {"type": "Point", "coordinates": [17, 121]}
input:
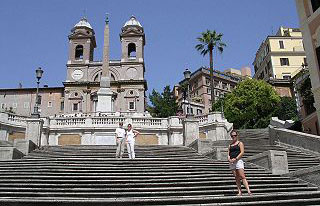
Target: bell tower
{"type": "Point", "coordinates": [81, 43]}
{"type": "Point", "coordinates": [132, 39]}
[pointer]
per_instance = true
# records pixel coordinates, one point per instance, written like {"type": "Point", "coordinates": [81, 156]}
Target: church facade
{"type": "Point", "coordinates": [83, 73]}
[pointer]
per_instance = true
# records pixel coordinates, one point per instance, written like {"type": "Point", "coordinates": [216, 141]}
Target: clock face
{"type": "Point", "coordinates": [77, 74]}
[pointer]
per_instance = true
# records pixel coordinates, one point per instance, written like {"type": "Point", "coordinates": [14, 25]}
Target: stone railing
{"type": "Point", "coordinates": [12, 119]}
{"type": "Point", "coordinates": [276, 122]}
{"type": "Point", "coordinates": [90, 120]}
{"type": "Point", "coordinates": [202, 119]}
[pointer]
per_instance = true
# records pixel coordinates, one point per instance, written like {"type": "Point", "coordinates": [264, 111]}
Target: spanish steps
{"type": "Point", "coordinates": [86, 175]}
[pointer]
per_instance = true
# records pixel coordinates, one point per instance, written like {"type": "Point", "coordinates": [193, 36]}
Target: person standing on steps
{"type": "Point", "coordinates": [235, 152]}
{"type": "Point", "coordinates": [120, 140]}
{"type": "Point", "coordinates": [131, 135]}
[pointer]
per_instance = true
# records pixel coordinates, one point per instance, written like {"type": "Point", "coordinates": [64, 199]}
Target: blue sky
{"type": "Point", "coordinates": [34, 33]}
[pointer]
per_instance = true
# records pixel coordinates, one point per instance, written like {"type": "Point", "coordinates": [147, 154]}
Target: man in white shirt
{"type": "Point", "coordinates": [120, 140]}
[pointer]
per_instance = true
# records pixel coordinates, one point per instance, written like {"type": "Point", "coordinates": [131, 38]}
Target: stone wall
{"type": "Point", "coordinates": [294, 138]}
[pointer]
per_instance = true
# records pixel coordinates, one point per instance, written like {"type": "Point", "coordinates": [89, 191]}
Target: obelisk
{"type": "Point", "coordinates": [105, 93]}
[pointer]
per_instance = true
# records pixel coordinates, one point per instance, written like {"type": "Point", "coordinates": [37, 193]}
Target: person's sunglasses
{"type": "Point", "coordinates": [233, 135]}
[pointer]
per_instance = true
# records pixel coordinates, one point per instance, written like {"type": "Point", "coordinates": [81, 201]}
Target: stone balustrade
{"type": "Point", "coordinates": [69, 121]}
{"type": "Point", "coordinates": [12, 119]}
{"type": "Point", "coordinates": [93, 128]}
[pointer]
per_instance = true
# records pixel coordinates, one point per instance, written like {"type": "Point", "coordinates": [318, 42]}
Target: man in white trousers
{"type": "Point", "coordinates": [120, 140]}
{"type": "Point", "coordinates": [131, 135]}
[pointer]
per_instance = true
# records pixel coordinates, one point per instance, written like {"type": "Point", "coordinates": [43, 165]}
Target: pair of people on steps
{"type": "Point", "coordinates": [123, 138]}
{"type": "Point", "coordinates": [235, 153]}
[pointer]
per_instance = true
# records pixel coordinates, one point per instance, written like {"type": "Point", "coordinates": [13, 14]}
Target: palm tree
{"type": "Point", "coordinates": [210, 40]}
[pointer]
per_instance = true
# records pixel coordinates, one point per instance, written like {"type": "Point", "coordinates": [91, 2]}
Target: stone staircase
{"type": "Point", "coordinates": [257, 141]}
{"type": "Point", "coordinates": [161, 175]}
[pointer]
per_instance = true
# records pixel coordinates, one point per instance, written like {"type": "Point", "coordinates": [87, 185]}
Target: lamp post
{"type": "Point", "coordinates": [36, 113]}
{"type": "Point", "coordinates": [187, 74]}
{"type": "Point", "coordinates": [222, 101]}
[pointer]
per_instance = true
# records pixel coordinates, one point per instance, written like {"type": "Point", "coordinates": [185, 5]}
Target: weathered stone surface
{"type": "Point", "coordinates": [294, 138]}
{"type": "Point", "coordinates": [9, 153]}
{"type": "Point", "coordinates": [202, 146]}
{"type": "Point", "coordinates": [275, 161]}
{"type": "Point", "coordinates": [311, 175]}
{"type": "Point", "coordinates": [25, 146]}
{"type": "Point", "coordinates": [33, 130]}
{"type": "Point", "coordinates": [190, 130]}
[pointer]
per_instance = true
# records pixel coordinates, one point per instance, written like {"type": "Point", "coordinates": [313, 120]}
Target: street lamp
{"type": "Point", "coordinates": [187, 74]}
{"type": "Point", "coordinates": [36, 113]}
{"type": "Point", "coordinates": [222, 101]}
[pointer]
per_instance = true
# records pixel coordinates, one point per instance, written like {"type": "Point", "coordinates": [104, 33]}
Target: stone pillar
{"type": "Point", "coordinates": [87, 138]}
{"type": "Point", "coordinates": [3, 134]}
{"type": "Point", "coordinates": [190, 130]}
{"type": "Point", "coordinates": [34, 130]}
{"type": "Point", "coordinates": [53, 139]}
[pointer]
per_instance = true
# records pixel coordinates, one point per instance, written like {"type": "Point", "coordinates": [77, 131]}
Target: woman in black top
{"type": "Point", "coordinates": [235, 152]}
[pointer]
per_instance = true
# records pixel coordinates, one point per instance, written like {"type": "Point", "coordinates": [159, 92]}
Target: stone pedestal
{"type": "Point", "coordinates": [33, 130]}
{"type": "Point", "coordinates": [190, 130]}
{"type": "Point", "coordinates": [104, 96]}
{"type": "Point", "coordinates": [10, 153]}
{"type": "Point", "coordinates": [275, 161]}
{"type": "Point", "coordinates": [25, 146]}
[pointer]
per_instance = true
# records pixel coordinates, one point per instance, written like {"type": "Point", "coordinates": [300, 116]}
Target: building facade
{"type": "Point", "coordinates": [200, 92]}
{"type": "Point", "coordinates": [280, 56]}
{"type": "Point", "coordinates": [83, 73]}
{"type": "Point", "coordinates": [309, 15]}
{"type": "Point", "coordinates": [305, 102]}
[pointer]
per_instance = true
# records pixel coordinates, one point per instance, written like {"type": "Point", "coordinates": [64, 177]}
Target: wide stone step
{"type": "Point", "coordinates": [141, 193]}
{"type": "Point", "coordinates": [154, 181]}
{"type": "Point", "coordinates": [299, 198]}
{"type": "Point", "coordinates": [137, 187]}
{"type": "Point", "coordinates": [117, 170]}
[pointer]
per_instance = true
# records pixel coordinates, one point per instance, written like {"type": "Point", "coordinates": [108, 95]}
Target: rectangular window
{"type": "Point", "coordinates": [199, 111]}
{"type": "Point", "coordinates": [3, 105]}
{"type": "Point", "coordinates": [14, 105]}
{"type": "Point", "coordinates": [49, 104]}
{"type": "Point", "coordinates": [131, 106]}
{"type": "Point", "coordinates": [61, 106]}
{"type": "Point", "coordinates": [281, 44]}
{"type": "Point", "coordinates": [75, 106]}
{"type": "Point", "coordinates": [284, 61]}
{"type": "Point", "coordinates": [207, 81]}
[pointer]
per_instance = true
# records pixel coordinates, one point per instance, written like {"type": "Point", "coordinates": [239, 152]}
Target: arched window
{"type": "Point", "coordinates": [97, 77]}
{"type": "Point", "coordinates": [79, 52]}
{"type": "Point", "coordinates": [131, 50]}
{"type": "Point", "coordinates": [112, 77]}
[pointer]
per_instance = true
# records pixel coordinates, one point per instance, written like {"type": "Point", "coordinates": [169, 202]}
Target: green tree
{"type": "Point", "coordinates": [287, 109]}
{"type": "Point", "coordinates": [307, 96]}
{"type": "Point", "coordinates": [210, 40]}
{"type": "Point", "coordinates": [250, 105]}
{"type": "Point", "coordinates": [164, 104]}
